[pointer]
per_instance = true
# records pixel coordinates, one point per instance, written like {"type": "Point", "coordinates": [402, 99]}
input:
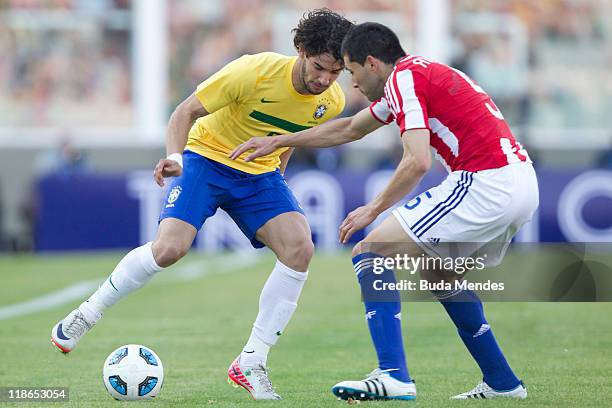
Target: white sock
{"type": "Point", "coordinates": [133, 272]}
{"type": "Point", "coordinates": [255, 351]}
{"type": "Point", "coordinates": [277, 303]}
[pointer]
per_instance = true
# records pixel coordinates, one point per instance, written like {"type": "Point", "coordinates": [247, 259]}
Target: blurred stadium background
{"type": "Point", "coordinates": [86, 87]}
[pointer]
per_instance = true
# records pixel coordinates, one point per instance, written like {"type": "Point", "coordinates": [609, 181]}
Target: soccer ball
{"type": "Point", "coordinates": [133, 372]}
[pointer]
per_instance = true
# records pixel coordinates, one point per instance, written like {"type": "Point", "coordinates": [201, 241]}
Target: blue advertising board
{"type": "Point", "coordinates": [107, 211]}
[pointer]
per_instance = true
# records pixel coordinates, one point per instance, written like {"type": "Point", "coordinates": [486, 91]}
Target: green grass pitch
{"type": "Point", "coordinates": [198, 324]}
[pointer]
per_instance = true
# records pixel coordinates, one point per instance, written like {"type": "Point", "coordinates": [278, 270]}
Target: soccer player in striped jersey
{"type": "Point", "coordinates": [490, 192]}
{"type": "Point", "coordinates": [266, 94]}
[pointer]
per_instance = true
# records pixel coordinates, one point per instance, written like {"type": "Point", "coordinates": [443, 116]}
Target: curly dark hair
{"type": "Point", "coordinates": [321, 31]}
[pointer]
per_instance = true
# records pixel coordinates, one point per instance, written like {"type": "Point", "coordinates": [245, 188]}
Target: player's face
{"type": "Point", "coordinates": [319, 72]}
{"type": "Point", "coordinates": [365, 79]}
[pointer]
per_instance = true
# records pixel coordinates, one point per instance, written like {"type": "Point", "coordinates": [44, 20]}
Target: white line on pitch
{"type": "Point", "coordinates": [187, 272]}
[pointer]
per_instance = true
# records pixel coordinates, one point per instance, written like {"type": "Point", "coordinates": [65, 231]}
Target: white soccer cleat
{"type": "Point", "coordinates": [483, 391]}
{"type": "Point", "coordinates": [378, 385]}
{"type": "Point", "coordinates": [67, 333]}
{"type": "Point", "coordinates": [254, 379]}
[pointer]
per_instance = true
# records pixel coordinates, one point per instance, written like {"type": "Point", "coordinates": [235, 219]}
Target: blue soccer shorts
{"type": "Point", "coordinates": [250, 199]}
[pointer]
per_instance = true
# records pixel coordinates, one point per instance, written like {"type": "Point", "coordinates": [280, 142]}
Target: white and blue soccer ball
{"type": "Point", "coordinates": [133, 372]}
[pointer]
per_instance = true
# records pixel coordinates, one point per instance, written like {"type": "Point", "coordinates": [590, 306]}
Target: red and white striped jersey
{"type": "Point", "coordinates": [468, 132]}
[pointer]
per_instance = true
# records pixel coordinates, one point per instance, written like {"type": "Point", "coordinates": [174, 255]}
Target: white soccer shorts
{"type": "Point", "coordinates": [481, 210]}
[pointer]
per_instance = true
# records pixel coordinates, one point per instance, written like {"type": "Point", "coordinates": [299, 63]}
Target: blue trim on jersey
{"type": "Point", "coordinates": [206, 185]}
{"type": "Point", "coordinates": [448, 208]}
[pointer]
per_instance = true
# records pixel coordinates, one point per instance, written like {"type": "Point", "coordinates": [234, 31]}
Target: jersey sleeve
{"type": "Point", "coordinates": [407, 100]}
{"type": "Point", "coordinates": [381, 112]}
{"type": "Point", "coordinates": [232, 83]}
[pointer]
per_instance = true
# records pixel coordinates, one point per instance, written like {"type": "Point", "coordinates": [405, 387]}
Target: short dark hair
{"type": "Point", "coordinates": [372, 39]}
{"type": "Point", "coordinates": [321, 31]}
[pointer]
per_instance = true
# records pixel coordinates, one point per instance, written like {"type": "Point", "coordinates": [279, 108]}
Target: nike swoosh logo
{"type": "Point", "coordinates": [248, 352]}
{"type": "Point", "coordinates": [264, 100]}
{"type": "Point", "coordinates": [60, 333]}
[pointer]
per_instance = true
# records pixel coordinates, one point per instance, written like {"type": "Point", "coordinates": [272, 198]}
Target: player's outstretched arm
{"type": "Point", "coordinates": [415, 162]}
{"type": "Point", "coordinates": [180, 122]}
{"type": "Point", "coordinates": [332, 133]}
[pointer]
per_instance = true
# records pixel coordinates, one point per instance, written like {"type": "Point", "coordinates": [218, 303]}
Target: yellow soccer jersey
{"type": "Point", "coordinates": [254, 96]}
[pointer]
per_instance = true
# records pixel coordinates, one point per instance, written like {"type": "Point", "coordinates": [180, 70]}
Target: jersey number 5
{"type": "Point", "coordinates": [490, 106]}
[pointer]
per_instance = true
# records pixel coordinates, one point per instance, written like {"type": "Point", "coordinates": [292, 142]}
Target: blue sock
{"type": "Point", "coordinates": [383, 313]}
{"type": "Point", "coordinates": [466, 311]}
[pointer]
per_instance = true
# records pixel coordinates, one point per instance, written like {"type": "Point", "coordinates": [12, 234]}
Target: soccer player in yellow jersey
{"type": "Point", "coordinates": [262, 94]}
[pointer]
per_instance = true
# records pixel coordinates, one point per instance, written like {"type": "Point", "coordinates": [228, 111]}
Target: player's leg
{"type": "Point", "coordinates": [289, 237]}
{"type": "Point", "coordinates": [467, 209]}
{"type": "Point", "coordinates": [190, 200]}
{"type": "Point", "coordinates": [400, 233]}
{"type": "Point", "coordinates": [174, 238]}
{"type": "Point", "coordinates": [466, 311]}
{"type": "Point", "coordinates": [383, 310]}
{"type": "Point", "coordinates": [266, 211]}
{"type": "Point", "coordinates": [391, 380]}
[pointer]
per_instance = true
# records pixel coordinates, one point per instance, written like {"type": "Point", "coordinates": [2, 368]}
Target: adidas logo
{"type": "Point", "coordinates": [483, 329]}
{"type": "Point", "coordinates": [434, 241]}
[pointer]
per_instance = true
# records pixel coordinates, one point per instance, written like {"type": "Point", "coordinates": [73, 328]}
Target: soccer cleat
{"type": "Point", "coordinates": [483, 391]}
{"type": "Point", "coordinates": [66, 334]}
{"type": "Point", "coordinates": [254, 379]}
{"type": "Point", "coordinates": [378, 385]}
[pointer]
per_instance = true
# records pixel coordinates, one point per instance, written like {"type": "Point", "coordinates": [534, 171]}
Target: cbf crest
{"type": "Point", "coordinates": [174, 195]}
{"type": "Point", "coordinates": [320, 111]}
{"type": "Point", "coordinates": [321, 108]}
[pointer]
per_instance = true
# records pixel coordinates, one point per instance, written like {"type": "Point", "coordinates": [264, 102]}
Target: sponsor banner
{"type": "Point", "coordinates": [105, 211]}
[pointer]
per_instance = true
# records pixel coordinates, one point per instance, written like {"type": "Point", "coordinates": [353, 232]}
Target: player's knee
{"type": "Point", "coordinates": [371, 243]}
{"type": "Point", "coordinates": [298, 254]}
{"type": "Point", "coordinates": [439, 275]}
{"type": "Point", "coordinates": [363, 246]}
{"type": "Point", "coordinates": [303, 253]}
{"type": "Point", "coordinates": [429, 275]}
{"type": "Point", "coordinates": [168, 253]}
{"type": "Point", "coordinates": [357, 249]}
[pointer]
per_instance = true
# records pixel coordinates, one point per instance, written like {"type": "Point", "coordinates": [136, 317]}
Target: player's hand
{"type": "Point", "coordinates": [357, 219]}
{"type": "Point", "coordinates": [262, 145]}
{"type": "Point", "coordinates": [166, 168]}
